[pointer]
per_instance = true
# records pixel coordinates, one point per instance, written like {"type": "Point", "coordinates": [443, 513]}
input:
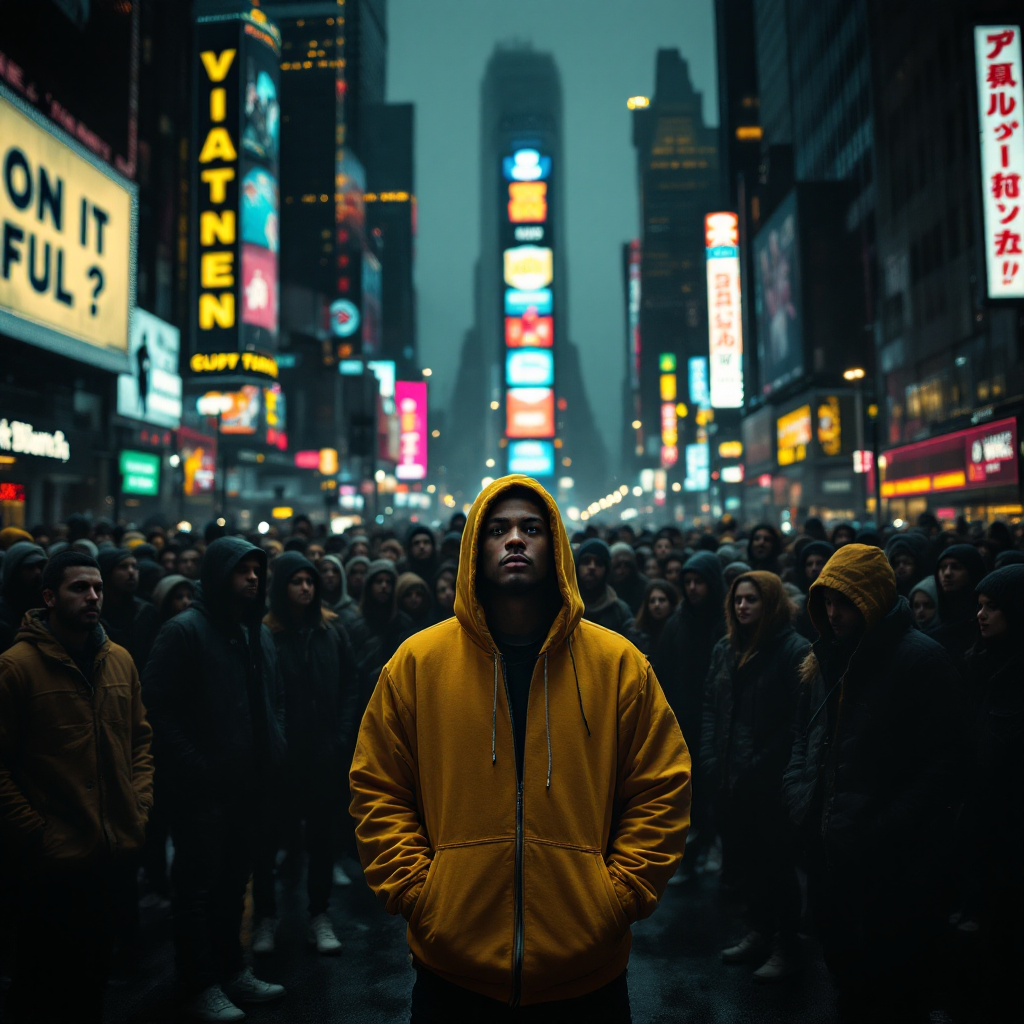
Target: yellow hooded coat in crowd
{"type": "Point", "coordinates": [524, 894]}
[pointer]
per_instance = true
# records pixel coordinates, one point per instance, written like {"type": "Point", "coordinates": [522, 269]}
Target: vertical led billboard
{"type": "Point", "coordinates": [528, 272]}
{"type": "Point", "coordinates": [411, 407]}
{"type": "Point", "coordinates": [668, 389]}
{"type": "Point", "coordinates": [236, 201]}
{"type": "Point", "coordinates": [1000, 105]}
{"type": "Point", "coordinates": [725, 329]}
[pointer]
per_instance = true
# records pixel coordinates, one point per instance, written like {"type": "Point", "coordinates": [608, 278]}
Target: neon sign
{"type": "Point", "coordinates": [721, 239]}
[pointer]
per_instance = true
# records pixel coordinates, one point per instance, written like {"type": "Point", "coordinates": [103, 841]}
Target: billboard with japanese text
{"type": "Point", "coordinates": [725, 319]}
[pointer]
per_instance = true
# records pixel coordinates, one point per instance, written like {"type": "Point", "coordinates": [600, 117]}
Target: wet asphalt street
{"type": "Point", "coordinates": [674, 974]}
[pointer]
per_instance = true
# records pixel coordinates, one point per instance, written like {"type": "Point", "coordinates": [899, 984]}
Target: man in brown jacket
{"type": "Point", "coordinates": [76, 784]}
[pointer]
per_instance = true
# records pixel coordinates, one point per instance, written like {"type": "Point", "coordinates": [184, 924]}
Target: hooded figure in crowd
{"type": "Point", "coordinates": [382, 627]}
{"type": "Point", "coordinates": [959, 570]}
{"type": "Point", "coordinates": [993, 817]}
{"type": "Point", "coordinates": [601, 604]}
{"type": "Point", "coordinates": [421, 557]}
{"type": "Point", "coordinates": [808, 565]}
{"type": "Point", "coordinates": [843, 533]}
{"type": "Point", "coordinates": [924, 603]}
{"type": "Point", "coordinates": [355, 576]}
{"type": "Point", "coordinates": [909, 555]}
{"type": "Point", "coordinates": [413, 597]}
{"type": "Point", "coordinates": [128, 620]}
{"type": "Point", "coordinates": [520, 785]}
{"type": "Point", "coordinates": [870, 784]}
{"type": "Point", "coordinates": [21, 587]}
{"type": "Point", "coordinates": [659, 602]}
{"type": "Point", "coordinates": [764, 548]}
{"type": "Point", "coordinates": [215, 698]}
{"type": "Point", "coordinates": [334, 590]}
{"type": "Point", "coordinates": [751, 696]}
{"type": "Point", "coordinates": [625, 577]}
{"type": "Point", "coordinates": [173, 595]}
{"type": "Point", "coordinates": [318, 667]}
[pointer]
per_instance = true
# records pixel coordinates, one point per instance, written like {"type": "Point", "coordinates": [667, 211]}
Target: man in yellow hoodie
{"type": "Point", "coordinates": [520, 786]}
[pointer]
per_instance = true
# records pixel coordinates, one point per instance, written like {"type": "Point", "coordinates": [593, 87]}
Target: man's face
{"type": "Point", "coordinates": [245, 580]}
{"type": "Point", "coordinates": [124, 577]}
{"type": "Point", "coordinates": [301, 590]}
{"type": "Point", "coordinates": [315, 553]}
{"type": "Point", "coordinates": [903, 565]}
{"type": "Point", "coordinates": [761, 544]}
{"type": "Point", "coordinates": [674, 572]}
{"type": "Point", "coordinates": [381, 588]}
{"type": "Point", "coordinates": [421, 547]}
{"type": "Point", "coordinates": [953, 575]}
{"type": "Point", "coordinates": [169, 561]}
{"type": "Point", "coordinates": [813, 566]}
{"type": "Point", "coordinates": [515, 553]}
{"type": "Point", "coordinates": [623, 566]}
{"type": "Point", "coordinates": [329, 576]}
{"type": "Point", "coordinates": [695, 587]}
{"type": "Point", "coordinates": [413, 601]}
{"type": "Point", "coordinates": [843, 615]}
{"type": "Point", "coordinates": [188, 564]}
{"type": "Point", "coordinates": [445, 593]}
{"type": "Point", "coordinates": [591, 572]}
{"type": "Point", "coordinates": [78, 600]}
{"type": "Point", "coordinates": [662, 546]}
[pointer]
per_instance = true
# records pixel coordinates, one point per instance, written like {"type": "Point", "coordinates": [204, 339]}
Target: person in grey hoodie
{"type": "Point", "coordinates": [334, 590]}
{"type": "Point", "coordinates": [21, 587]}
{"type": "Point", "coordinates": [924, 603]}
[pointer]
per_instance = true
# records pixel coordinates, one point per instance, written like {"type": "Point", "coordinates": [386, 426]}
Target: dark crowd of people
{"type": "Point", "coordinates": [179, 714]}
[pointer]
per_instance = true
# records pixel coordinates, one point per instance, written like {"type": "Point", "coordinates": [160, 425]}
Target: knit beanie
{"type": "Point", "coordinates": [596, 547]}
{"type": "Point", "coordinates": [379, 565]}
{"type": "Point", "coordinates": [1005, 589]}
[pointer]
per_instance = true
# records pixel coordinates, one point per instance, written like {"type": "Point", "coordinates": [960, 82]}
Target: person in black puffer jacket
{"type": "Point", "coordinates": [959, 570]}
{"type": "Point", "coordinates": [992, 823]}
{"type": "Point", "coordinates": [318, 667]}
{"type": "Point", "coordinates": [215, 698]}
{"type": "Point", "coordinates": [749, 703]}
{"type": "Point", "coordinates": [872, 785]}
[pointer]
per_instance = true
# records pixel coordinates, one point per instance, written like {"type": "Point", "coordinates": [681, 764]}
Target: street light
{"type": "Point", "coordinates": [636, 424]}
{"type": "Point", "coordinates": [427, 371]}
{"type": "Point", "coordinates": [854, 373]}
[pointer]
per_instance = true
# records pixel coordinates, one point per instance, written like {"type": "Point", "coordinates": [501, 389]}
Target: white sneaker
{"type": "Point", "coordinates": [340, 875]}
{"type": "Point", "coordinates": [212, 1005]}
{"type": "Point", "coordinates": [245, 987]}
{"type": "Point", "coordinates": [263, 937]}
{"type": "Point", "coordinates": [321, 935]}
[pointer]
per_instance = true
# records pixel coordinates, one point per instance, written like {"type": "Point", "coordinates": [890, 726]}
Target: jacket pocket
{"type": "Point", "coordinates": [462, 923]}
{"type": "Point", "coordinates": [574, 922]}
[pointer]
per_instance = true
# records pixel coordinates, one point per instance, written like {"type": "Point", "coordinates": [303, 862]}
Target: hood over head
{"type": "Point", "coordinates": [926, 586]}
{"type": "Point", "coordinates": [815, 547]}
{"type": "Point", "coordinates": [1005, 589]}
{"type": "Point", "coordinates": [162, 591]}
{"type": "Point", "coordinates": [870, 536]}
{"type": "Point", "coordinates": [23, 553]}
{"type": "Point", "coordinates": [1011, 557]}
{"type": "Point", "coordinates": [468, 609]}
{"type": "Point", "coordinates": [860, 572]}
{"type": "Point", "coordinates": [420, 528]}
{"type": "Point", "coordinates": [596, 547]}
{"type": "Point", "coordinates": [343, 595]}
{"type": "Point", "coordinates": [110, 558]}
{"type": "Point", "coordinates": [777, 615]}
{"type": "Point", "coordinates": [222, 556]}
{"type": "Point", "coordinates": [285, 567]}
{"type": "Point", "coordinates": [707, 566]}
{"type": "Point", "coordinates": [951, 606]}
{"type": "Point", "coordinates": [357, 560]}
{"type": "Point", "coordinates": [11, 535]}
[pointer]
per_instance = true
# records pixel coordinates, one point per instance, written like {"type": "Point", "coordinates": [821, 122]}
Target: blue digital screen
{"type": "Point", "coordinates": [700, 390]}
{"type": "Point", "coordinates": [529, 368]}
{"type": "Point", "coordinates": [517, 302]}
{"type": "Point", "coordinates": [532, 458]}
{"type": "Point", "coordinates": [526, 165]}
{"type": "Point", "coordinates": [698, 468]}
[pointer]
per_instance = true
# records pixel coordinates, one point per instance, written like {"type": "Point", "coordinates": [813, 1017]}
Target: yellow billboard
{"type": "Point", "coordinates": [66, 260]}
{"type": "Point", "coordinates": [528, 267]}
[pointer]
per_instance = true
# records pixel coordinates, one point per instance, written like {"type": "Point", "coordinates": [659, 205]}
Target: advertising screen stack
{"type": "Point", "coordinates": [529, 315]}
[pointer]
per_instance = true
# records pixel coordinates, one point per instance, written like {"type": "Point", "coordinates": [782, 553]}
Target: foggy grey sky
{"type": "Point", "coordinates": [605, 52]}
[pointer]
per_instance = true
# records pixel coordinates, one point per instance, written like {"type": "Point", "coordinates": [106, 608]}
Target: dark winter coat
{"type": "Point", "coordinates": [681, 657]}
{"type": "Point", "coordinates": [917, 545]}
{"type": "Point", "coordinates": [345, 607]}
{"type": "Point", "coordinates": [214, 692]}
{"type": "Point", "coordinates": [375, 642]}
{"type": "Point", "coordinates": [14, 602]}
{"type": "Point", "coordinates": [134, 626]}
{"type": "Point", "coordinates": [875, 763]}
{"type": "Point", "coordinates": [751, 756]}
{"type": "Point", "coordinates": [609, 611]}
{"type": "Point", "coordinates": [318, 667]}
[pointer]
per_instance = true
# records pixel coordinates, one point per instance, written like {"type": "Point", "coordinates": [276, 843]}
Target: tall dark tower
{"type": "Point", "coordinates": [532, 415]}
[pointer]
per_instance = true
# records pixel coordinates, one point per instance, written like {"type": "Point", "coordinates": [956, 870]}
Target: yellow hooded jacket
{"type": "Point", "coordinates": [521, 895]}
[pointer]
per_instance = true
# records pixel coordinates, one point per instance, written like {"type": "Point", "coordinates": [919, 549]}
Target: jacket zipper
{"type": "Point", "coordinates": [517, 931]}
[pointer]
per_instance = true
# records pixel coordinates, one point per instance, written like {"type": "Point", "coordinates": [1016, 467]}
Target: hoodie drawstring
{"type": "Point", "coordinates": [547, 720]}
{"type": "Point", "coordinates": [579, 694]}
{"type": "Point", "coordinates": [494, 714]}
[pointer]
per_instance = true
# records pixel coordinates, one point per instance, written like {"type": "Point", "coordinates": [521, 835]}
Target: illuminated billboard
{"type": "Point", "coordinates": [526, 165]}
{"type": "Point", "coordinates": [529, 367]}
{"type": "Point", "coordinates": [528, 267]}
{"type": "Point", "coordinates": [527, 202]}
{"type": "Point", "coordinates": [521, 303]}
{"type": "Point", "coordinates": [793, 435]}
{"type": "Point", "coordinates": [700, 390]}
{"type": "Point", "coordinates": [633, 326]}
{"type": "Point", "coordinates": [529, 331]}
{"type": "Point", "coordinates": [530, 412]}
{"type": "Point", "coordinates": [411, 407]}
{"type": "Point", "coordinates": [725, 328]}
{"type": "Point", "coordinates": [151, 390]}
{"type": "Point", "coordinates": [532, 458]}
{"type": "Point", "coordinates": [236, 219]}
{"type": "Point", "coordinates": [1000, 73]}
{"type": "Point", "coordinates": [778, 298]}
{"type": "Point", "coordinates": [67, 281]}
{"type": "Point", "coordinates": [698, 468]}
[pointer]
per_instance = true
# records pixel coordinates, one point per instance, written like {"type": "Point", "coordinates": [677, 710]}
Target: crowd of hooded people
{"type": "Point", "coordinates": [851, 700]}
